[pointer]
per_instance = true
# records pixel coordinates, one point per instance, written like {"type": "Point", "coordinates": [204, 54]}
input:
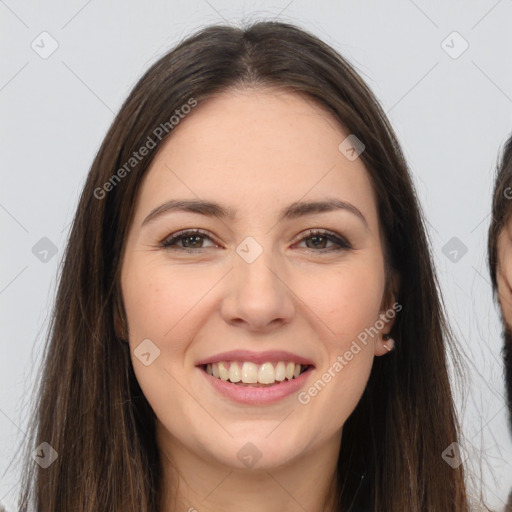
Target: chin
{"type": "Point", "coordinates": [257, 454]}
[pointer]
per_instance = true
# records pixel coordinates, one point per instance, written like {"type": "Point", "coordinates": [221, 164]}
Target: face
{"type": "Point", "coordinates": [504, 271]}
{"type": "Point", "coordinates": [255, 280]}
{"type": "Point", "coordinates": [504, 282]}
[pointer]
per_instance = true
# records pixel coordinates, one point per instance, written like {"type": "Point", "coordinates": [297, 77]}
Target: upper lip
{"type": "Point", "coordinates": [256, 357]}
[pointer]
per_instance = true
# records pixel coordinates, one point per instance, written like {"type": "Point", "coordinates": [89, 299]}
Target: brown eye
{"type": "Point", "coordinates": [191, 241]}
{"type": "Point", "coordinates": [319, 240]}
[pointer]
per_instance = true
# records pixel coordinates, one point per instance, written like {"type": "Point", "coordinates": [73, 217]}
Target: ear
{"type": "Point", "coordinates": [389, 310]}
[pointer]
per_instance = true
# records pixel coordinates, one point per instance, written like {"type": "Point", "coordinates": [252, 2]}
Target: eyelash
{"type": "Point", "coordinates": [342, 243]}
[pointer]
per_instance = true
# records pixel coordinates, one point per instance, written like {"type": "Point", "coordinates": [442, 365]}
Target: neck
{"type": "Point", "coordinates": [191, 483]}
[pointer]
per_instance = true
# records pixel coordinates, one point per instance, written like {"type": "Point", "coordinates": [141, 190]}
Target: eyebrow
{"type": "Point", "coordinates": [293, 211]}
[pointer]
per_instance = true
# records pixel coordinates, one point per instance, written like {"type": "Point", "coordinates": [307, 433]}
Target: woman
{"type": "Point", "coordinates": [500, 263]}
{"type": "Point", "coordinates": [247, 314]}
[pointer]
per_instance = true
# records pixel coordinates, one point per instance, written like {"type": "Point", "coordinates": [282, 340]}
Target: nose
{"type": "Point", "coordinates": [259, 296]}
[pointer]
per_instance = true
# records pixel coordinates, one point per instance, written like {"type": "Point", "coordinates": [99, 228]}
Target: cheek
{"type": "Point", "coordinates": [347, 300]}
{"type": "Point", "coordinates": [504, 280]}
{"type": "Point", "coordinates": [504, 275]}
{"type": "Point", "coordinates": [158, 301]}
{"type": "Point", "coordinates": [158, 298]}
{"type": "Point", "coordinates": [505, 299]}
{"type": "Point", "coordinates": [348, 304]}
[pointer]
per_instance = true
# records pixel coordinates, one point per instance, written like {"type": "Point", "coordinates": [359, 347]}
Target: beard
{"type": "Point", "coordinates": [507, 360]}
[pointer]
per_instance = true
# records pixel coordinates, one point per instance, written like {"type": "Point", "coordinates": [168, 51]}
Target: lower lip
{"type": "Point", "coordinates": [258, 395]}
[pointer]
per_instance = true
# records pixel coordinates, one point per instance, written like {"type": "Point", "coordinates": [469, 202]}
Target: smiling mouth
{"type": "Point", "coordinates": [248, 374]}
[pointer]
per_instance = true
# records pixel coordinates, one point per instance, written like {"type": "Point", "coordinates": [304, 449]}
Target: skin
{"type": "Point", "coordinates": [504, 282]}
{"type": "Point", "coordinates": [255, 151]}
{"type": "Point", "coordinates": [504, 272]}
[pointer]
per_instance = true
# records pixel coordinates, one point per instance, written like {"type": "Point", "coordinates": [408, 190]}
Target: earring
{"type": "Point", "coordinates": [389, 342]}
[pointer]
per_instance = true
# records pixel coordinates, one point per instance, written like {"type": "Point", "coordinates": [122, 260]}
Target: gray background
{"type": "Point", "coordinates": [451, 110]}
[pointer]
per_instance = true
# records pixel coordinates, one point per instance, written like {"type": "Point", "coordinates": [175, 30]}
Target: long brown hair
{"type": "Point", "coordinates": [89, 406]}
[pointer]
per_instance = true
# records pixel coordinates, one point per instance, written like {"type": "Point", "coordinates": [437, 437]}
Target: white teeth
{"type": "Point", "coordinates": [290, 368]}
{"type": "Point", "coordinates": [234, 372]}
{"type": "Point", "coordinates": [223, 371]}
{"type": "Point", "coordinates": [266, 373]}
{"type": "Point", "coordinates": [250, 373]}
{"type": "Point", "coordinates": [280, 371]}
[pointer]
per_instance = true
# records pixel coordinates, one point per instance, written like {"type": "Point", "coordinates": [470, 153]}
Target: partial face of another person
{"type": "Point", "coordinates": [254, 280]}
{"type": "Point", "coordinates": [504, 271]}
{"type": "Point", "coordinates": [504, 282]}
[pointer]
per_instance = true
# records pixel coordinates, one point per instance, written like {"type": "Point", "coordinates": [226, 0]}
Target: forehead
{"type": "Point", "coordinates": [261, 147]}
